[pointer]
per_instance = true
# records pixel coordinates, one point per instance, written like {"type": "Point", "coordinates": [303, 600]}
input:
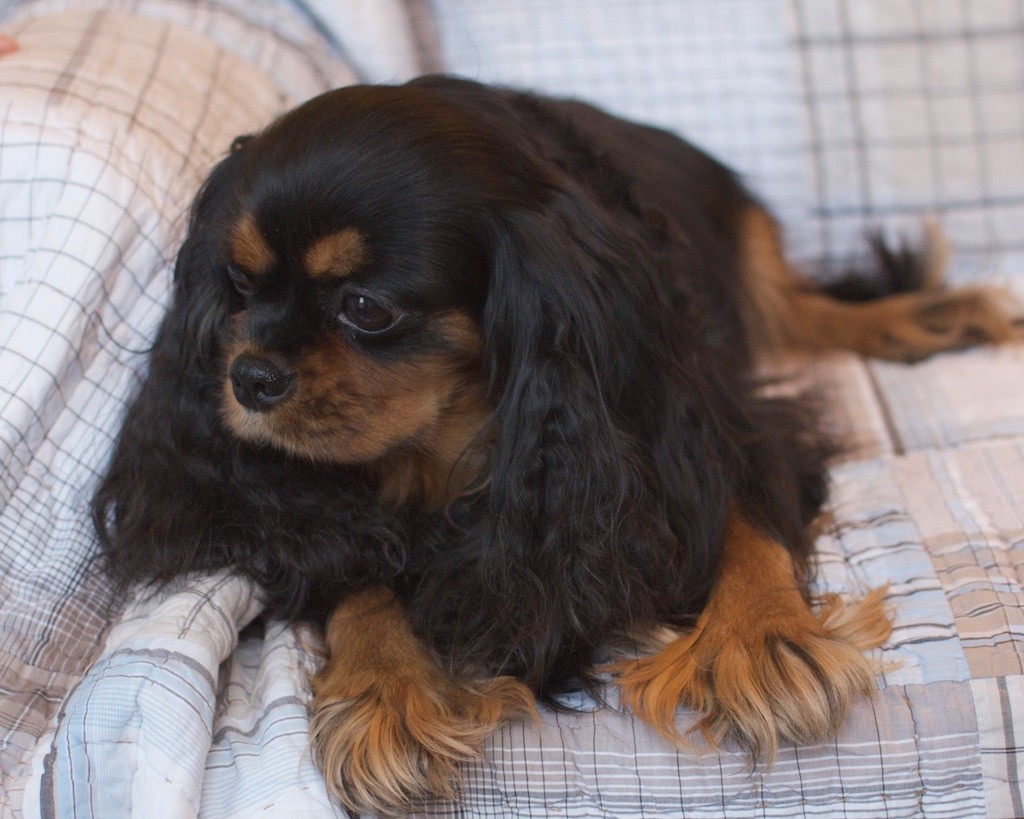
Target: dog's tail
{"type": "Point", "coordinates": [903, 269]}
{"type": "Point", "coordinates": [900, 310]}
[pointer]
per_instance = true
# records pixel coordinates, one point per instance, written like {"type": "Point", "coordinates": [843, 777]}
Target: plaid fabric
{"type": "Point", "coordinates": [843, 115]}
{"type": "Point", "coordinates": [184, 705]}
{"type": "Point", "coordinates": [945, 528]}
{"type": "Point", "coordinates": [178, 718]}
{"type": "Point", "coordinates": [109, 120]}
{"type": "Point", "coordinates": [975, 396]}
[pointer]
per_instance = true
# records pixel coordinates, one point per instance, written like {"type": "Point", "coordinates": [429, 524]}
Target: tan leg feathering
{"type": "Point", "coordinates": [784, 310]}
{"type": "Point", "coordinates": [389, 727]}
{"type": "Point", "coordinates": [760, 666]}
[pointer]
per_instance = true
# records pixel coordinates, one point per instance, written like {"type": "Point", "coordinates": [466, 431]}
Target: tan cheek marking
{"type": "Point", "coordinates": [249, 248]}
{"type": "Point", "coordinates": [449, 455]}
{"type": "Point", "coordinates": [336, 255]}
{"type": "Point", "coordinates": [421, 414]}
{"type": "Point", "coordinates": [462, 333]}
{"type": "Point", "coordinates": [361, 408]}
{"type": "Point", "coordinates": [346, 407]}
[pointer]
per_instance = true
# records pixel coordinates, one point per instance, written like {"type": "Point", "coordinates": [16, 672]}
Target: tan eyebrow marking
{"type": "Point", "coordinates": [248, 247]}
{"type": "Point", "coordinates": [336, 255]}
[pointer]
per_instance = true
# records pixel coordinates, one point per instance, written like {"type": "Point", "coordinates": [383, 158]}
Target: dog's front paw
{"type": "Point", "coordinates": [786, 676]}
{"type": "Point", "coordinates": [389, 727]}
{"type": "Point", "coordinates": [387, 742]}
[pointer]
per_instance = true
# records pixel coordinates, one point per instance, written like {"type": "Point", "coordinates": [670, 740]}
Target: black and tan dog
{"type": "Point", "coordinates": [468, 375]}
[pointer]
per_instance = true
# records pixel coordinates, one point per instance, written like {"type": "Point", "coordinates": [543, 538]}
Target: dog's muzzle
{"type": "Point", "coordinates": [260, 383]}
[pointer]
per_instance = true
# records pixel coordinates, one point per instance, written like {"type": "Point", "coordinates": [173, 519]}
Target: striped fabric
{"type": "Point", "coordinates": [189, 704]}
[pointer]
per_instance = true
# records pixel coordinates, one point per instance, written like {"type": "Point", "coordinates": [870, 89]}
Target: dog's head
{"type": "Point", "coordinates": [399, 280]}
{"type": "Point", "coordinates": [347, 247]}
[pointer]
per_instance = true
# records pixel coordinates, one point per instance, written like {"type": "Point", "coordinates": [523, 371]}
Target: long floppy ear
{"type": "Point", "coordinates": [577, 534]}
{"type": "Point", "coordinates": [153, 506]}
{"type": "Point", "coordinates": [202, 294]}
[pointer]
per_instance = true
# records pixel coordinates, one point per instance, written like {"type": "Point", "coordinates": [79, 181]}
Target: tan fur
{"type": "Point", "coordinates": [767, 280]}
{"type": "Point", "coordinates": [438, 472]}
{"type": "Point", "coordinates": [938, 250]}
{"type": "Point", "coordinates": [759, 665]}
{"type": "Point", "coordinates": [416, 421]}
{"type": "Point", "coordinates": [389, 728]}
{"type": "Point", "coordinates": [249, 250]}
{"type": "Point", "coordinates": [782, 309]}
{"type": "Point", "coordinates": [336, 255]}
{"type": "Point", "coordinates": [447, 456]}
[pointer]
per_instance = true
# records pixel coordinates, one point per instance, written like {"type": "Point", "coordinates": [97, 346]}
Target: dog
{"type": "Point", "coordinates": [469, 376]}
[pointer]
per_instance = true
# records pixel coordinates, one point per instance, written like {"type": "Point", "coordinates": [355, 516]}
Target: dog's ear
{"type": "Point", "coordinates": [558, 338]}
{"type": "Point", "coordinates": [154, 505]}
{"type": "Point", "coordinates": [576, 520]}
{"type": "Point", "coordinates": [202, 293]}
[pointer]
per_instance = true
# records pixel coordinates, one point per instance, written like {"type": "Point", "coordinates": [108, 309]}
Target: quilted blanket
{"type": "Point", "coordinates": [189, 703]}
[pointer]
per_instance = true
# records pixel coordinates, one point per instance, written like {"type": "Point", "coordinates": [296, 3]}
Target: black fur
{"type": "Point", "coordinates": [902, 270]}
{"type": "Point", "coordinates": [599, 260]}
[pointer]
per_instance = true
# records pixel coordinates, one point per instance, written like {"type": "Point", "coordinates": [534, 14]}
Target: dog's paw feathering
{"type": "Point", "coordinates": [759, 666]}
{"type": "Point", "coordinates": [389, 728]}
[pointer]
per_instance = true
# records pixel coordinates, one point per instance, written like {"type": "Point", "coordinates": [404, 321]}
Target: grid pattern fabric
{"type": "Point", "coordinates": [843, 115]}
{"type": "Point", "coordinates": [916, 107]}
{"type": "Point", "coordinates": [185, 704]}
{"type": "Point", "coordinates": [109, 120]}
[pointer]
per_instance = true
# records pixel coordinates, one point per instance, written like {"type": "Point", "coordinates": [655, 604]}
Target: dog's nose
{"type": "Point", "coordinates": [259, 383]}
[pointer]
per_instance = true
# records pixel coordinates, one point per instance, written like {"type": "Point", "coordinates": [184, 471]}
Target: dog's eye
{"type": "Point", "coordinates": [367, 315]}
{"type": "Point", "coordinates": [241, 280]}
